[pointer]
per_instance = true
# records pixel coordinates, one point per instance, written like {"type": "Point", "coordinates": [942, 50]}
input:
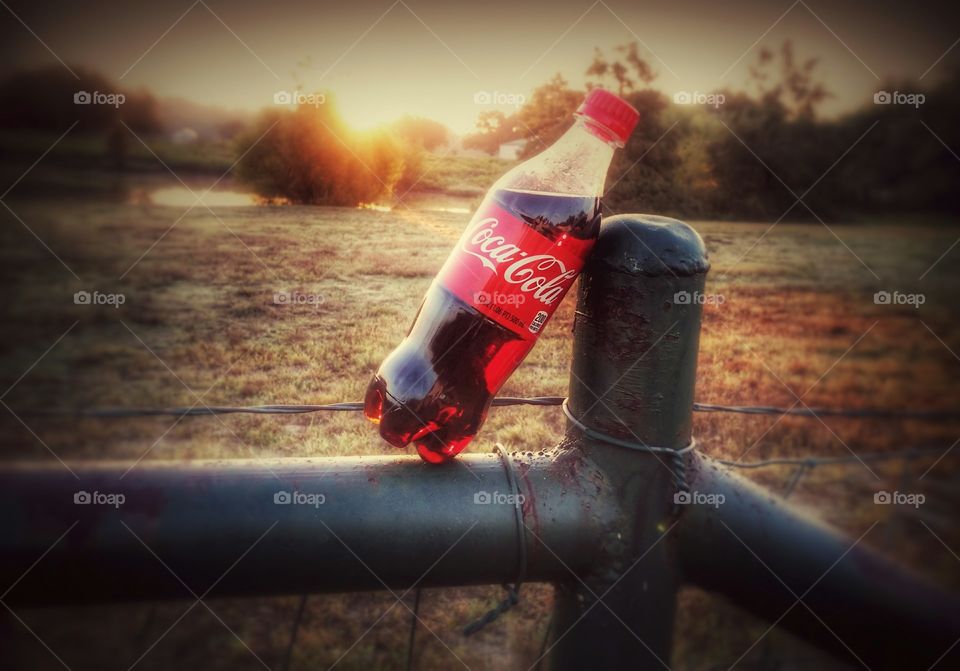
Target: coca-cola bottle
{"type": "Point", "coordinates": [491, 300]}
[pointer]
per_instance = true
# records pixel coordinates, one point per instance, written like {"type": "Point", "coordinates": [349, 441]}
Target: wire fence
{"type": "Point", "coordinates": [803, 465]}
{"type": "Point", "coordinates": [806, 463]}
{"type": "Point", "coordinates": [500, 401]}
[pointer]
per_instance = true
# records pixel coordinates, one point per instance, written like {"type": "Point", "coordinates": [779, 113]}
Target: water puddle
{"type": "Point", "coordinates": [181, 196]}
{"type": "Point", "coordinates": [185, 196]}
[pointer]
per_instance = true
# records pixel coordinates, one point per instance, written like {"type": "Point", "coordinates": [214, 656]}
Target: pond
{"type": "Point", "coordinates": [233, 195]}
{"type": "Point", "coordinates": [181, 196]}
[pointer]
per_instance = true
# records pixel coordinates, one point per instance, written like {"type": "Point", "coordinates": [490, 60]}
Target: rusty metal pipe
{"type": "Point", "coordinates": [352, 524]}
{"type": "Point", "coordinates": [763, 555]}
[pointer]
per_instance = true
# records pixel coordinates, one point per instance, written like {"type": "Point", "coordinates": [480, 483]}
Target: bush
{"type": "Point", "coordinates": [308, 155]}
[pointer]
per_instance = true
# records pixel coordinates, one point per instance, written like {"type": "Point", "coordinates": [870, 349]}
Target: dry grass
{"type": "Point", "coordinates": [202, 301]}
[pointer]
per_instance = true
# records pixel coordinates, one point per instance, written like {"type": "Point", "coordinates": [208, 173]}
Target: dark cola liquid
{"type": "Point", "coordinates": [434, 390]}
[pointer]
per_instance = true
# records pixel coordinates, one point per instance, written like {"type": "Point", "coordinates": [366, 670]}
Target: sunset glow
{"type": "Point", "coordinates": [428, 59]}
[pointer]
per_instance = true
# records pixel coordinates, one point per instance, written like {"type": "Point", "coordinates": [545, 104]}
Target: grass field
{"type": "Point", "coordinates": [460, 175]}
{"type": "Point", "coordinates": [199, 321]}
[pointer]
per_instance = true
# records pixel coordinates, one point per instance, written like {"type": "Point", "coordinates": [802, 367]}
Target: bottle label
{"type": "Point", "coordinates": [511, 273]}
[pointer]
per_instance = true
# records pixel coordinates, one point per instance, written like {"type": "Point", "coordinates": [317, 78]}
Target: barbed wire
{"type": "Point", "coordinates": [813, 462]}
{"type": "Point", "coordinates": [287, 409]}
{"type": "Point", "coordinates": [805, 463]}
{"type": "Point", "coordinates": [500, 401]}
{"type": "Point", "coordinates": [807, 411]}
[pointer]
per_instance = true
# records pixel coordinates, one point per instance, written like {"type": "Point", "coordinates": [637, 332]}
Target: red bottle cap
{"type": "Point", "coordinates": [611, 112]}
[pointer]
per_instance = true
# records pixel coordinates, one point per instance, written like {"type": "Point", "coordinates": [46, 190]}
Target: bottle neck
{"type": "Point", "coordinates": [575, 164]}
{"type": "Point", "coordinates": [598, 131]}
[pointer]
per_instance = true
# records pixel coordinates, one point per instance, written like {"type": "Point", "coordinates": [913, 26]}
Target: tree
{"type": "Point", "coordinates": [645, 175]}
{"type": "Point", "coordinates": [426, 133]}
{"type": "Point", "coordinates": [900, 165]}
{"type": "Point", "coordinates": [547, 115]}
{"type": "Point", "coordinates": [796, 87]}
{"type": "Point", "coordinates": [44, 99]}
{"type": "Point", "coordinates": [309, 155]}
{"type": "Point", "coordinates": [625, 74]}
{"type": "Point", "coordinates": [493, 129]}
{"type": "Point", "coordinates": [774, 147]}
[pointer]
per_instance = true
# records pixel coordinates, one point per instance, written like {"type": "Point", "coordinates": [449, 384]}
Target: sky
{"type": "Point", "coordinates": [431, 58]}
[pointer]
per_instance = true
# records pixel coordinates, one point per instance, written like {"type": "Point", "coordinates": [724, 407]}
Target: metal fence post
{"type": "Point", "coordinates": [636, 338]}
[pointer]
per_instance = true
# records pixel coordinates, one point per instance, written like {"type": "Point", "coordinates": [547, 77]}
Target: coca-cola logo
{"type": "Point", "coordinates": [542, 275]}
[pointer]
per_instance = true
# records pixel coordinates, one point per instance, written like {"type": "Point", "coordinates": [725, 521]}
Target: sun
{"type": "Point", "coordinates": [364, 109]}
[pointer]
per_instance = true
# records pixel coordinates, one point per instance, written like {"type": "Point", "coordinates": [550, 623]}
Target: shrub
{"type": "Point", "coordinates": [309, 155]}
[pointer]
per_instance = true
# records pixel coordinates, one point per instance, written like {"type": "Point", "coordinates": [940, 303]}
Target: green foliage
{"type": "Point", "coordinates": [547, 115]}
{"type": "Point", "coordinates": [757, 153]}
{"type": "Point", "coordinates": [540, 120]}
{"type": "Point", "coordinates": [309, 155]}
{"type": "Point", "coordinates": [645, 171]}
{"type": "Point", "coordinates": [796, 87]}
{"type": "Point", "coordinates": [625, 75]}
{"type": "Point", "coordinates": [908, 161]}
{"type": "Point", "coordinates": [881, 159]}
